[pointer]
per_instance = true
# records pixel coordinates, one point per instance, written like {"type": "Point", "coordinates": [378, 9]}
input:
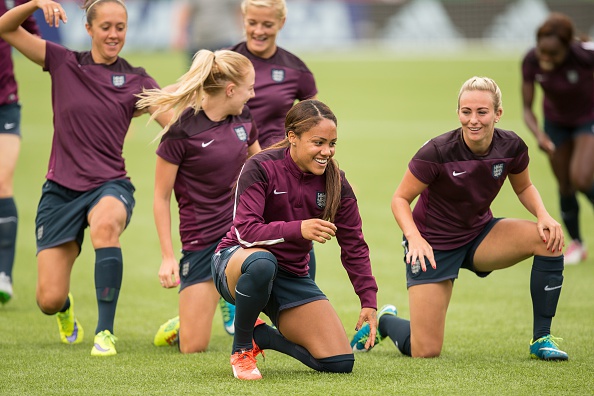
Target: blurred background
{"type": "Point", "coordinates": [390, 70]}
{"type": "Point", "coordinates": [394, 25]}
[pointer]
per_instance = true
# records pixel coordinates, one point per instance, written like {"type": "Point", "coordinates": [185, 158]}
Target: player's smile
{"type": "Point", "coordinates": [108, 32]}
{"type": "Point", "coordinates": [477, 117]}
{"type": "Point", "coordinates": [313, 149]}
{"type": "Point", "coordinates": [261, 27]}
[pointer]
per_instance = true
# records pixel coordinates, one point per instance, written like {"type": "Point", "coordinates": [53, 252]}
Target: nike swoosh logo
{"type": "Point", "coordinates": [72, 337]}
{"type": "Point", "coordinates": [279, 192]}
{"type": "Point", "coordinates": [458, 173]}
{"type": "Point", "coordinates": [547, 288]}
{"type": "Point", "coordinates": [100, 349]}
{"type": "Point", "coordinates": [9, 125]}
{"type": "Point", "coordinates": [206, 144]}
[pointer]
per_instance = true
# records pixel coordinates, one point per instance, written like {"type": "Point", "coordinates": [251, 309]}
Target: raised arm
{"type": "Point", "coordinates": [30, 45]}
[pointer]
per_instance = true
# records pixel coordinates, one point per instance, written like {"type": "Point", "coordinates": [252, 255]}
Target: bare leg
{"type": "Point", "coordinates": [428, 307]}
{"type": "Point", "coordinates": [316, 327]}
{"type": "Point", "coordinates": [197, 305]}
{"type": "Point", "coordinates": [54, 266]}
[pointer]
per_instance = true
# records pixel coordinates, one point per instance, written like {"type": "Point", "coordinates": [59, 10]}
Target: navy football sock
{"type": "Point", "coordinates": [398, 330]}
{"type": "Point", "coordinates": [570, 210]}
{"type": "Point", "coordinates": [546, 280]}
{"type": "Point", "coordinates": [267, 337]}
{"type": "Point", "coordinates": [8, 233]}
{"type": "Point", "coordinates": [66, 305]}
{"type": "Point", "coordinates": [109, 268]}
{"type": "Point", "coordinates": [251, 296]}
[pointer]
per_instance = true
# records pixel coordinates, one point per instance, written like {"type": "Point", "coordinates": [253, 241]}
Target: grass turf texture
{"type": "Point", "coordinates": [386, 108]}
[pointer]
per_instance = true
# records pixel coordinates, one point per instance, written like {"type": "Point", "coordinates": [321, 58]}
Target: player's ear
{"type": "Point", "coordinates": [292, 137]}
{"type": "Point", "coordinates": [498, 114]}
{"type": "Point", "coordinates": [230, 90]}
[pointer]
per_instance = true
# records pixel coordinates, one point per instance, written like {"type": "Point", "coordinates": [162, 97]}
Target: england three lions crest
{"type": "Point", "coordinates": [497, 170]}
{"type": "Point", "coordinates": [321, 200]}
{"type": "Point", "coordinates": [278, 75]}
{"type": "Point", "coordinates": [118, 80]}
{"type": "Point", "coordinates": [573, 76]}
{"type": "Point", "coordinates": [241, 133]}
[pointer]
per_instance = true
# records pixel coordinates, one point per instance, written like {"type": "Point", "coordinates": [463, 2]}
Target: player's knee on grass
{"type": "Point", "coordinates": [50, 304]}
{"type": "Point", "coordinates": [338, 363]}
{"type": "Point", "coordinates": [425, 350]}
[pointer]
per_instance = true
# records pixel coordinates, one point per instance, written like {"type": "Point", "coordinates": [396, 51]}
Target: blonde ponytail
{"type": "Point", "coordinates": [209, 74]}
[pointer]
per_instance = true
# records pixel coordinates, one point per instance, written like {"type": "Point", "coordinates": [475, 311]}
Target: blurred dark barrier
{"type": "Point", "coordinates": [321, 25]}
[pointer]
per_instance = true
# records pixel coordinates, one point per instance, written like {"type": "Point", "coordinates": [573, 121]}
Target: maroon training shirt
{"type": "Point", "coordinates": [274, 196]}
{"type": "Point", "coordinates": [210, 156]}
{"type": "Point", "coordinates": [569, 88]}
{"type": "Point", "coordinates": [93, 106]}
{"type": "Point", "coordinates": [8, 84]}
{"type": "Point", "coordinates": [455, 207]}
{"type": "Point", "coordinates": [280, 81]}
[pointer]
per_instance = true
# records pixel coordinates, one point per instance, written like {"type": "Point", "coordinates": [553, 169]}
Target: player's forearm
{"type": "Point", "coordinates": [403, 215]}
{"type": "Point", "coordinates": [532, 201]}
{"type": "Point", "coordinates": [15, 17]}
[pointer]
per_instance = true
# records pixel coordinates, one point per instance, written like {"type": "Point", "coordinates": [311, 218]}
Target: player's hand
{"type": "Point", "coordinates": [546, 144]}
{"type": "Point", "coordinates": [555, 239]}
{"type": "Point", "coordinates": [169, 273]}
{"type": "Point", "coordinates": [318, 230]}
{"type": "Point", "coordinates": [53, 12]}
{"type": "Point", "coordinates": [368, 315]}
{"type": "Point", "coordinates": [419, 249]}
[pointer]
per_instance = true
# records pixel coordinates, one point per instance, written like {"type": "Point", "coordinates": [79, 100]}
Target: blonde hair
{"type": "Point", "coordinates": [209, 74]}
{"type": "Point", "coordinates": [279, 5]}
{"type": "Point", "coordinates": [482, 84]}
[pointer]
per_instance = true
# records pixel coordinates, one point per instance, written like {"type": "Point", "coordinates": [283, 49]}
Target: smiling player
{"type": "Point", "coordinates": [200, 155]}
{"type": "Point", "coordinates": [456, 176]}
{"type": "Point", "coordinates": [93, 99]}
{"type": "Point", "coordinates": [288, 196]}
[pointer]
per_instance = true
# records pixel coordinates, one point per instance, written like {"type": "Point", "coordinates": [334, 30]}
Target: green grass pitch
{"type": "Point", "coordinates": [387, 106]}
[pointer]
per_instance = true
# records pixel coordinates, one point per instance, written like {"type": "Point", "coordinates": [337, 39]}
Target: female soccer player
{"type": "Point", "coordinates": [10, 144]}
{"type": "Point", "coordinates": [281, 77]}
{"type": "Point", "coordinates": [201, 153]}
{"type": "Point", "coordinates": [456, 177]}
{"type": "Point", "coordinates": [93, 98]}
{"type": "Point", "coordinates": [286, 197]}
{"type": "Point", "coordinates": [564, 68]}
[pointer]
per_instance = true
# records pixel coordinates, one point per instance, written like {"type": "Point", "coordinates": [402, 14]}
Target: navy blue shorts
{"type": "Point", "coordinates": [62, 213]}
{"type": "Point", "coordinates": [288, 290]}
{"type": "Point", "coordinates": [10, 119]}
{"type": "Point", "coordinates": [561, 134]}
{"type": "Point", "coordinates": [194, 266]}
{"type": "Point", "coordinates": [448, 262]}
